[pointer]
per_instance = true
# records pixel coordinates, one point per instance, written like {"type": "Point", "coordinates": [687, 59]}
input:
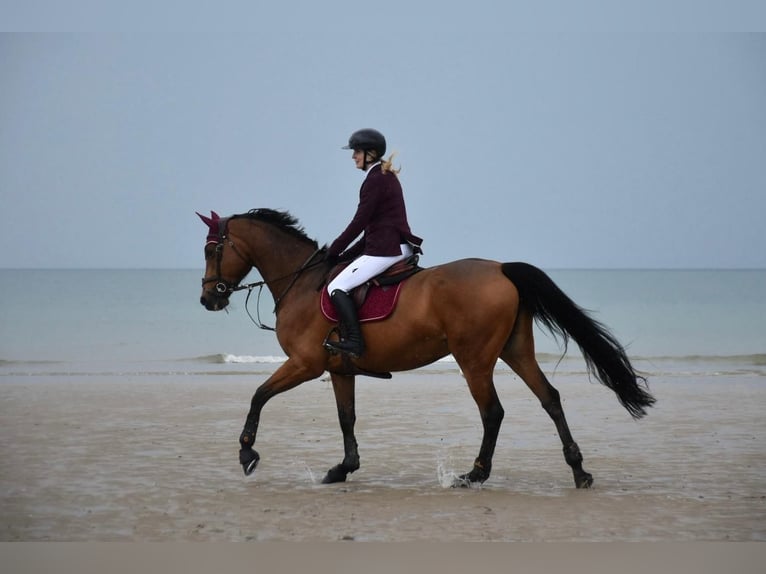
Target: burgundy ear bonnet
{"type": "Point", "coordinates": [214, 235]}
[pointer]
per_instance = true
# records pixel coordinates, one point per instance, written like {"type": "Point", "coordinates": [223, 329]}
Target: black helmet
{"type": "Point", "coordinates": [367, 140]}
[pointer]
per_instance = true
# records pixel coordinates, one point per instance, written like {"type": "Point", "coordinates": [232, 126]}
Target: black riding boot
{"type": "Point", "coordinates": [353, 344]}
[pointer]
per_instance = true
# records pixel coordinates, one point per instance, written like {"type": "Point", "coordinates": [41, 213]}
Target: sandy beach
{"type": "Point", "coordinates": [94, 460]}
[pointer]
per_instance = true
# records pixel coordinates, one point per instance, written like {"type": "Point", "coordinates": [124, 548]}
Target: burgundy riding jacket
{"type": "Point", "coordinates": [381, 216]}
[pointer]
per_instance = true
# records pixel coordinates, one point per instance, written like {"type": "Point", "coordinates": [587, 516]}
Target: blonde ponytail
{"type": "Point", "coordinates": [388, 165]}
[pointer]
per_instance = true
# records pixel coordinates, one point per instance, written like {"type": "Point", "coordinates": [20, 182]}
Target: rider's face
{"type": "Point", "coordinates": [358, 158]}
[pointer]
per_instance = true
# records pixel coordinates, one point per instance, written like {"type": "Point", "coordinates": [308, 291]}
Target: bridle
{"type": "Point", "coordinates": [224, 287]}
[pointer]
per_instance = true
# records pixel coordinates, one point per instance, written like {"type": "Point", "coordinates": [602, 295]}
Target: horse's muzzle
{"type": "Point", "coordinates": [213, 301]}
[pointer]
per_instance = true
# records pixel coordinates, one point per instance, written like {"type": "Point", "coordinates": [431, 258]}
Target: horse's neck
{"type": "Point", "coordinates": [275, 267]}
{"type": "Point", "coordinates": [276, 255]}
{"type": "Point", "coordinates": [279, 267]}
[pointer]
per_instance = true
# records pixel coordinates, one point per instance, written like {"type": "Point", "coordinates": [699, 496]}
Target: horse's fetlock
{"type": "Point", "coordinates": [247, 439]}
{"type": "Point", "coordinates": [572, 454]}
{"type": "Point", "coordinates": [481, 470]}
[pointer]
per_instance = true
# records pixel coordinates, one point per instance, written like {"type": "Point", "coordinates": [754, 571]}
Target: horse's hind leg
{"type": "Point", "coordinates": [344, 387]}
{"type": "Point", "coordinates": [551, 402]}
{"type": "Point", "coordinates": [520, 356]}
{"type": "Point", "coordinates": [483, 391]}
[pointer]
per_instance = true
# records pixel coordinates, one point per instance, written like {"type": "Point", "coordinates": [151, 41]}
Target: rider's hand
{"type": "Point", "coordinates": [332, 259]}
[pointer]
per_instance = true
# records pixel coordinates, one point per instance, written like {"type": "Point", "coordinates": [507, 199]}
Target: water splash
{"type": "Point", "coordinates": [447, 476]}
{"type": "Point", "coordinates": [312, 477]}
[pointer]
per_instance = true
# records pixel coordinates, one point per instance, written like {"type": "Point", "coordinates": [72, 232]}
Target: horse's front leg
{"type": "Point", "coordinates": [344, 387]}
{"type": "Point", "coordinates": [289, 375]}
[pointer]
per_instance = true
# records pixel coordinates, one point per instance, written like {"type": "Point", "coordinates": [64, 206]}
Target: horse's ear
{"type": "Point", "coordinates": [206, 220]}
{"type": "Point", "coordinates": [212, 221]}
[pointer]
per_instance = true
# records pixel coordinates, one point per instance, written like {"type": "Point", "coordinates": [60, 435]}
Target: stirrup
{"type": "Point", "coordinates": [332, 346]}
{"type": "Point", "coordinates": [335, 347]}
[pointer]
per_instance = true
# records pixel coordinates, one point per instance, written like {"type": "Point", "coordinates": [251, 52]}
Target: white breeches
{"type": "Point", "coordinates": [364, 268]}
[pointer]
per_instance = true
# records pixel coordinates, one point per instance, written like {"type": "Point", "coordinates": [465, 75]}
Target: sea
{"type": "Point", "coordinates": [149, 324]}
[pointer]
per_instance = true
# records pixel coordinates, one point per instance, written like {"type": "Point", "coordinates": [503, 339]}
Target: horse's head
{"type": "Point", "coordinates": [225, 265]}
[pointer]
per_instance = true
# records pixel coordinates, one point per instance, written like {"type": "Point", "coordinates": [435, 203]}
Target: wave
{"type": "Point", "coordinates": [227, 358]}
{"type": "Point", "coordinates": [269, 359]}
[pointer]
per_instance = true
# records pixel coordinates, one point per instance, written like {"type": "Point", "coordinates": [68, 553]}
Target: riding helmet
{"type": "Point", "coordinates": [367, 139]}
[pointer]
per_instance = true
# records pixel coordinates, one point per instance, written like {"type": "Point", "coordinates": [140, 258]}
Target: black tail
{"type": "Point", "coordinates": [604, 356]}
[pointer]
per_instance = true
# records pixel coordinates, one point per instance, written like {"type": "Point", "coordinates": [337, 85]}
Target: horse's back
{"type": "Point", "coordinates": [474, 289]}
{"type": "Point", "coordinates": [480, 274]}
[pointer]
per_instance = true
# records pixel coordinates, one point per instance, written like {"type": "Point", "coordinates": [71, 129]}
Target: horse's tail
{"type": "Point", "coordinates": [604, 356]}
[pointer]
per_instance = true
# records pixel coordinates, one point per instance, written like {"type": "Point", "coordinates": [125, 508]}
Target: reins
{"type": "Point", "coordinates": [250, 286]}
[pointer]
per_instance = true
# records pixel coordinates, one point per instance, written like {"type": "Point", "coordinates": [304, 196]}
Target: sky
{"type": "Point", "coordinates": [562, 148]}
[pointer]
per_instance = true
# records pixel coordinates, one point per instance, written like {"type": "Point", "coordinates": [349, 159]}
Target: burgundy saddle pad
{"type": "Point", "coordinates": [378, 304]}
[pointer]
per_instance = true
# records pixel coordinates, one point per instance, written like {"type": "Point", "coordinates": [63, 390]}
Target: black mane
{"type": "Point", "coordinates": [281, 219]}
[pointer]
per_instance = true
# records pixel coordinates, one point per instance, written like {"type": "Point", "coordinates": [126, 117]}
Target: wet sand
{"type": "Point", "coordinates": [124, 460]}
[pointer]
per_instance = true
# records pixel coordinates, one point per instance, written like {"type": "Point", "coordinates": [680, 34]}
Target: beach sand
{"type": "Point", "coordinates": [122, 459]}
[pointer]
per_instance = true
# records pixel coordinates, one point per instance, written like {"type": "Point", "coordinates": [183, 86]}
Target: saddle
{"type": "Point", "coordinates": [375, 299]}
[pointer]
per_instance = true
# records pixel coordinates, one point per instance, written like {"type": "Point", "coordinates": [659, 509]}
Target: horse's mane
{"type": "Point", "coordinates": [281, 219]}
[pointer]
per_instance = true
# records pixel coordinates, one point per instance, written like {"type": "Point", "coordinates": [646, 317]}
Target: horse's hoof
{"type": "Point", "coordinates": [248, 458]}
{"type": "Point", "coordinates": [473, 478]}
{"type": "Point", "coordinates": [461, 482]}
{"type": "Point", "coordinates": [335, 474]}
{"type": "Point", "coordinates": [476, 476]}
{"type": "Point", "coordinates": [250, 467]}
{"type": "Point", "coordinates": [584, 481]}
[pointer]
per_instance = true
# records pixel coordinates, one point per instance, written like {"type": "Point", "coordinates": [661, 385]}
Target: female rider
{"type": "Point", "coordinates": [381, 218]}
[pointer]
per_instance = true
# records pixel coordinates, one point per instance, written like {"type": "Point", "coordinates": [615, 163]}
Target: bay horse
{"type": "Point", "coordinates": [477, 310]}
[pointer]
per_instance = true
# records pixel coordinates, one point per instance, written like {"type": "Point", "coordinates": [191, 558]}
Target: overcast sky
{"type": "Point", "coordinates": [566, 150]}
